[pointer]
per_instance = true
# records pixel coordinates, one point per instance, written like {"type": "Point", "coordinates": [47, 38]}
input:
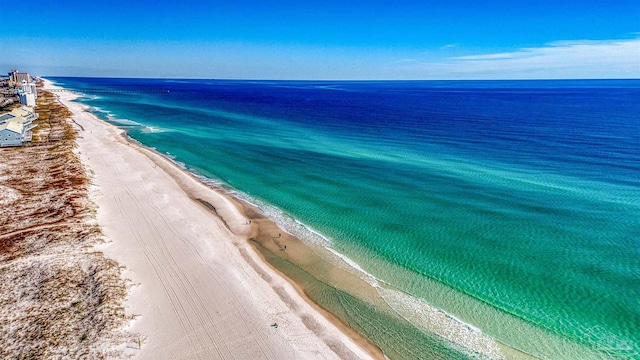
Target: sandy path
{"type": "Point", "coordinates": [196, 294]}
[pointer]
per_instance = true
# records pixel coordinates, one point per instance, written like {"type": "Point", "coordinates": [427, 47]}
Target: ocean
{"type": "Point", "coordinates": [501, 210]}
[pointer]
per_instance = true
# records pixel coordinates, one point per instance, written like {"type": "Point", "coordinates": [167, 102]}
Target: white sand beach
{"type": "Point", "coordinates": [197, 288]}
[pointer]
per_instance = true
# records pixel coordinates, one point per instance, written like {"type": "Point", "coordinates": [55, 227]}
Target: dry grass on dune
{"type": "Point", "coordinates": [58, 297]}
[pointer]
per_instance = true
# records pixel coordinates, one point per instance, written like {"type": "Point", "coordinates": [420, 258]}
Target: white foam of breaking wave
{"type": "Point", "coordinates": [372, 280]}
{"type": "Point", "coordinates": [286, 222]}
{"type": "Point", "coordinates": [122, 121]}
{"type": "Point", "coordinates": [172, 158]}
{"type": "Point", "coordinates": [153, 129]}
{"type": "Point", "coordinates": [435, 321]}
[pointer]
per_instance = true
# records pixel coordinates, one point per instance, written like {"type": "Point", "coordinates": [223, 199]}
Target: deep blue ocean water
{"type": "Point", "coordinates": [512, 205]}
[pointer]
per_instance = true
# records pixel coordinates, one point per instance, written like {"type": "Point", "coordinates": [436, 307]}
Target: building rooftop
{"type": "Point", "coordinates": [22, 111]}
{"type": "Point", "coordinates": [14, 126]}
{"type": "Point", "coordinates": [22, 114]}
{"type": "Point", "coordinates": [6, 117]}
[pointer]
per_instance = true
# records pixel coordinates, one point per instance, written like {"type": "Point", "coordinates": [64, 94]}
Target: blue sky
{"type": "Point", "coordinates": [324, 39]}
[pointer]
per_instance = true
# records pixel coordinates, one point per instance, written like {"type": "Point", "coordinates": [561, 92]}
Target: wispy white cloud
{"type": "Point", "coordinates": [498, 56]}
{"type": "Point", "coordinates": [582, 49]}
{"type": "Point", "coordinates": [449, 46]}
{"type": "Point", "coordinates": [561, 59]}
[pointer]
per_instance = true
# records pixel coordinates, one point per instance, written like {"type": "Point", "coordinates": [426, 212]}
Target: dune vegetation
{"type": "Point", "coordinates": [59, 297]}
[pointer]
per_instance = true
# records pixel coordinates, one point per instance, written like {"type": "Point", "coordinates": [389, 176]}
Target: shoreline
{"type": "Point", "coordinates": [261, 231]}
{"type": "Point", "coordinates": [288, 257]}
{"type": "Point", "coordinates": [328, 334]}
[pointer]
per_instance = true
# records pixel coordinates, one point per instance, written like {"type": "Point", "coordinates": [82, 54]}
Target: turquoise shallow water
{"type": "Point", "coordinates": [512, 206]}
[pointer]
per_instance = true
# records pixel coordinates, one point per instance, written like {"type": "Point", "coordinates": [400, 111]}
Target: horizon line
{"type": "Point", "coordinates": [335, 80]}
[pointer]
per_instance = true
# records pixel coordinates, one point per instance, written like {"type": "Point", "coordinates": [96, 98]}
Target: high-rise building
{"type": "Point", "coordinates": [17, 77]}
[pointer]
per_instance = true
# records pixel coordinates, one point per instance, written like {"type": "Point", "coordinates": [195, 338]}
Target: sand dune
{"type": "Point", "coordinates": [59, 297]}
